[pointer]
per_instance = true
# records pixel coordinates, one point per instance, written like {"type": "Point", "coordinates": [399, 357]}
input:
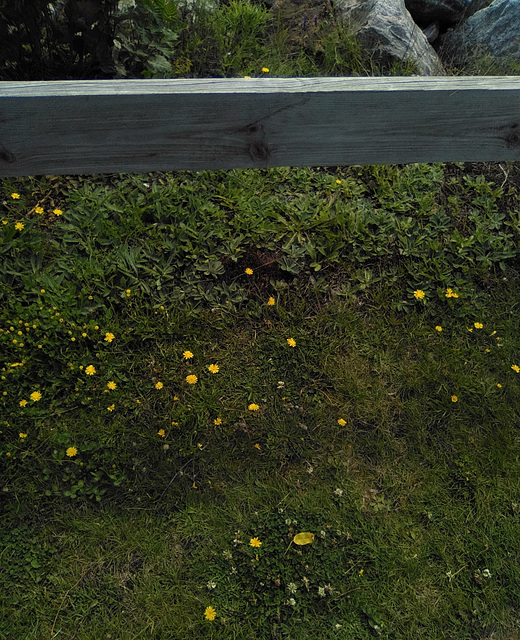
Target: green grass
{"type": "Point", "coordinates": [396, 444]}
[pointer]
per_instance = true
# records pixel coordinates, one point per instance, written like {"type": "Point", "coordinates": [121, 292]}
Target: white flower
{"type": "Point", "coordinates": [227, 555]}
{"type": "Point", "coordinates": [292, 588]}
{"type": "Point", "coordinates": [310, 469]}
{"type": "Point", "coordinates": [338, 626]}
{"type": "Point", "coordinates": [486, 573]}
{"type": "Point", "coordinates": [291, 601]}
{"type": "Point", "coordinates": [321, 591]}
{"type": "Point", "coordinates": [322, 533]}
{"type": "Point", "coordinates": [281, 384]}
{"type": "Point", "coordinates": [211, 584]}
{"type": "Point", "coordinates": [288, 521]}
{"type": "Point", "coordinates": [339, 492]}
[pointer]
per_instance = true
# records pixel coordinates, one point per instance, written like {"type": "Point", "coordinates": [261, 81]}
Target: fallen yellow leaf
{"type": "Point", "coordinates": [303, 538]}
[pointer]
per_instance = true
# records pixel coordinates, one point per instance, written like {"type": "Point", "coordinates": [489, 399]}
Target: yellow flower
{"type": "Point", "coordinates": [22, 435]}
{"type": "Point", "coordinates": [199, 445]}
{"type": "Point", "coordinates": [111, 407]}
{"type": "Point", "coordinates": [15, 196]}
{"type": "Point", "coordinates": [57, 212]}
{"type": "Point", "coordinates": [255, 542]}
{"type": "Point", "coordinates": [83, 335]}
{"type": "Point", "coordinates": [128, 292]}
{"type": "Point", "coordinates": [73, 339]}
{"type": "Point", "coordinates": [111, 385]}
{"type": "Point", "coordinates": [19, 226]}
{"type": "Point", "coordinates": [71, 451]}
{"type": "Point", "coordinates": [271, 301]}
{"type": "Point", "coordinates": [478, 325]}
{"type": "Point", "coordinates": [499, 385]}
{"type": "Point", "coordinates": [291, 342]}
{"type": "Point", "coordinates": [342, 422]}
{"type": "Point", "coordinates": [454, 398]}
{"type": "Point", "coordinates": [159, 385]}
{"type": "Point", "coordinates": [90, 370]}
{"type": "Point", "coordinates": [438, 328]}
{"type": "Point", "coordinates": [338, 181]}
{"type": "Point", "coordinates": [247, 77]}
{"type": "Point", "coordinates": [361, 572]}
{"type": "Point", "coordinates": [23, 403]}
{"type": "Point", "coordinates": [257, 446]}
{"type": "Point", "coordinates": [249, 271]}
{"type": "Point", "coordinates": [217, 421]}
{"type": "Point", "coordinates": [253, 407]}
{"type": "Point", "coordinates": [38, 210]}
{"type": "Point", "coordinates": [214, 368]}
{"type": "Point", "coordinates": [516, 368]}
{"type": "Point", "coordinates": [162, 433]}
{"type": "Point", "coordinates": [191, 379]}
{"type": "Point", "coordinates": [187, 355]}
{"type": "Point", "coordinates": [210, 613]}
{"type": "Point", "coordinates": [265, 70]}
{"type": "Point", "coordinates": [109, 337]}
{"type": "Point", "coordinates": [419, 294]}
{"type": "Point", "coordinates": [35, 396]}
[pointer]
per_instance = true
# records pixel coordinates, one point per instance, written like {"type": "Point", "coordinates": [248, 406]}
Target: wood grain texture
{"type": "Point", "coordinates": [115, 126]}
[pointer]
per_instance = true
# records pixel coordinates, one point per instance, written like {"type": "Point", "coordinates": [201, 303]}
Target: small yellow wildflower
{"type": "Point", "coordinates": [257, 446]}
{"type": "Point", "coordinates": [271, 302]}
{"type": "Point", "coordinates": [111, 385]}
{"type": "Point", "coordinates": [109, 337]}
{"type": "Point", "coordinates": [338, 181]}
{"type": "Point", "coordinates": [42, 290]}
{"type": "Point", "coordinates": [210, 613]}
{"type": "Point", "coordinates": [57, 212]}
{"type": "Point", "coordinates": [35, 396]}
{"type": "Point", "coordinates": [162, 433]}
{"type": "Point", "coordinates": [255, 542]}
{"type": "Point", "coordinates": [478, 325]}
{"type": "Point", "coordinates": [191, 379]}
{"type": "Point", "coordinates": [159, 385]}
{"type": "Point", "coordinates": [516, 368]}
{"type": "Point", "coordinates": [71, 451]}
{"type": "Point", "coordinates": [83, 335]}
{"type": "Point", "coordinates": [199, 445]}
{"type": "Point", "coordinates": [291, 342]}
{"type": "Point", "coordinates": [217, 421]}
{"type": "Point", "coordinates": [23, 403]}
{"type": "Point", "coordinates": [128, 292]}
{"type": "Point", "coordinates": [419, 294]}
{"type": "Point", "coordinates": [438, 328]}
{"type": "Point", "coordinates": [111, 407]}
{"type": "Point", "coordinates": [499, 385]}
{"type": "Point", "coordinates": [19, 226]}
{"type": "Point", "coordinates": [454, 398]}
{"type": "Point", "coordinates": [213, 368]}
{"type": "Point", "coordinates": [73, 339]}
{"type": "Point", "coordinates": [15, 196]}
{"type": "Point", "coordinates": [90, 370]}
{"type": "Point", "coordinates": [247, 77]}
{"type": "Point", "coordinates": [187, 355]}
{"type": "Point", "coordinates": [361, 572]}
{"type": "Point", "coordinates": [253, 407]}
{"type": "Point", "coordinates": [22, 435]}
{"type": "Point", "coordinates": [38, 210]}
{"type": "Point", "coordinates": [342, 422]}
{"type": "Point", "coordinates": [249, 271]}
{"type": "Point", "coordinates": [265, 70]}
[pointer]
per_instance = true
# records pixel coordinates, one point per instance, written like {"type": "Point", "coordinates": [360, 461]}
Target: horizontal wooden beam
{"type": "Point", "coordinates": [113, 126]}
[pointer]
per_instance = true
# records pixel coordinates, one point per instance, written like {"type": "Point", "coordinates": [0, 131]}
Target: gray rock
{"type": "Point", "coordinates": [385, 28]}
{"type": "Point", "coordinates": [424, 12]}
{"type": "Point", "coordinates": [476, 5]}
{"type": "Point", "coordinates": [432, 32]}
{"type": "Point", "coordinates": [494, 30]}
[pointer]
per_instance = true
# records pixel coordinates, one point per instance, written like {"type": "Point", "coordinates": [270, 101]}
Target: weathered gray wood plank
{"type": "Point", "coordinates": [112, 126]}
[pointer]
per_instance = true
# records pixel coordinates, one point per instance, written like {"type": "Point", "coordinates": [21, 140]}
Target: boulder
{"type": "Point", "coordinates": [386, 28]}
{"type": "Point", "coordinates": [424, 12]}
{"type": "Point", "coordinates": [494, 30]}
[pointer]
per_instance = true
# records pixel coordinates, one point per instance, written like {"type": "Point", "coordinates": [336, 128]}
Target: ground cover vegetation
{"type": "Point", "coordinates": [261, 404]}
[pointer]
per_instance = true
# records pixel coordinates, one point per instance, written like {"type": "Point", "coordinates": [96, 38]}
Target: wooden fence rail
{"type": "Point", "coordinates": [112, 126]}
